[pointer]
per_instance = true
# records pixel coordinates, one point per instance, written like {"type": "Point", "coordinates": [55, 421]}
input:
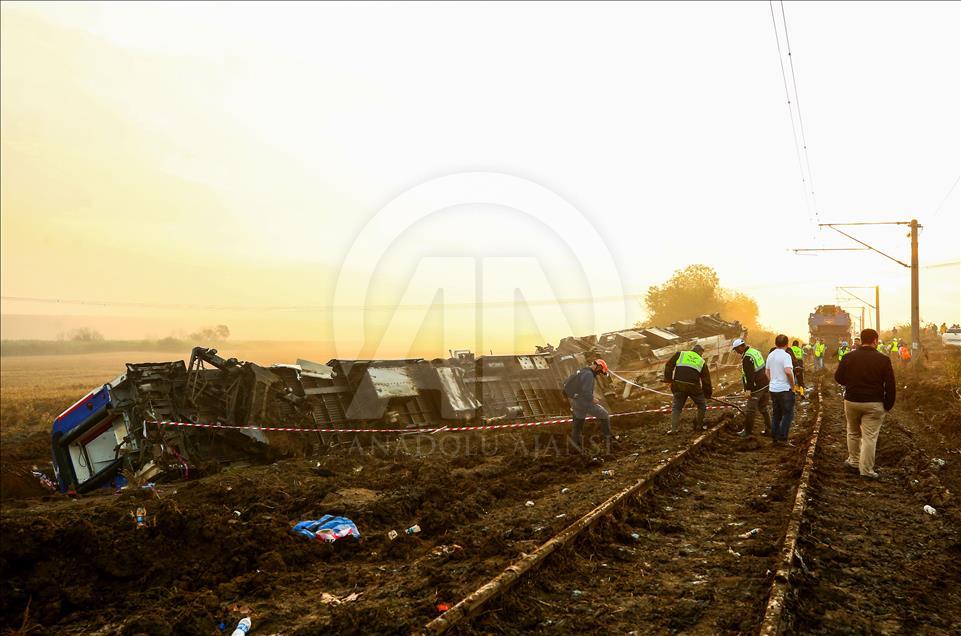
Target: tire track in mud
{"type": "Point", "coordinates": [675, 561]}
{"type": "Point", "coordinates": [874, 561]}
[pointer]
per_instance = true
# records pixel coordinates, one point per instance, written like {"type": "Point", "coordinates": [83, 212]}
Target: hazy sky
{"type": "Point", "coordinates": [230, 156]}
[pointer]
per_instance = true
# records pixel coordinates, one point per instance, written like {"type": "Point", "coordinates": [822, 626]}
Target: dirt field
{"type": "Point", "coordinates": [219, 547]}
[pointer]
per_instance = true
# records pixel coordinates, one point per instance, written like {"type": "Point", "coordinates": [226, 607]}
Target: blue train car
{"type": "Point", "coordinates": [86, 440]}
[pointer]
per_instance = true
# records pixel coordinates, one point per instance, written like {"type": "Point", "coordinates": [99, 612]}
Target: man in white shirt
{"type": "Point", "coordinates": [780, 372]}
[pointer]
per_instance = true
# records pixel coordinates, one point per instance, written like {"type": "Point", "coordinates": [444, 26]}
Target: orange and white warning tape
{"type": "Point", "coordinates": [438, 429]}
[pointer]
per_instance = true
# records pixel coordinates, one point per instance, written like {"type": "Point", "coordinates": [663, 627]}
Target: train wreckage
{"type": "Point", "coordinates": [116, 432]}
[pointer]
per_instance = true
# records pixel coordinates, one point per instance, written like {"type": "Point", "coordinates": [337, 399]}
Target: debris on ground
{"type": "Point", "coordinates": [243, 627]}
{"type": "Point", "coordinates": [327, 529]}
{"type": "Point", "coordinates": [330, 599]}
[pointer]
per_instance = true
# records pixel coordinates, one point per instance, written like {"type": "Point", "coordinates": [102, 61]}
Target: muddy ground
{"type": "Point", "coordinates": [683, 559]}
{"type": "Point", "coordinates": [219, 547]}
{"type": "Point", "coordinates": [875, 561]}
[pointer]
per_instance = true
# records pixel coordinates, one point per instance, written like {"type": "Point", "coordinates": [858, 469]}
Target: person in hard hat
{"type": "Point", "coordinates": [869, 392]}
{"type": "Point", "coordinates": [798, 367]}
{"type": "Point", "coordinates": [689, 376]}
{"type": "Point", "coordinates": [755, 381]}
{"type": "Point", "coordinates": [843, 350]}
{"type": "Point", "coordinates": [579, 388]}
{"type": "Point", "coordinates": [819, 348]}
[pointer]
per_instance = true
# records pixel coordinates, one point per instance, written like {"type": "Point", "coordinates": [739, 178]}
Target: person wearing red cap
{"type": "Point", "coordinates": [579, 388]}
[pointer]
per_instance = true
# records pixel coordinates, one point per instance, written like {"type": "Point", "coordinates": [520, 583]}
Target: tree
{"type": "Point", "coordinates": [740, 306]}
{"type": "Point", "coordinates": [694, 291]}
{"type": "Point", "coordinates": [690, 292]}
{"type": "Point", "coordinates": [85, 334]}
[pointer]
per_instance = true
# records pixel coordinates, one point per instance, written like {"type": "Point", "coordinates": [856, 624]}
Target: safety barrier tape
{"type": "Point", "coordinates": [437, 429]}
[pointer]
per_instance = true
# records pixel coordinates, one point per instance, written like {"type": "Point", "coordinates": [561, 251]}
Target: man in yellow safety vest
{"type": "Point", "coordinates": [819, 355]}
{"type": "Point", "coordinates": [689, 377]}
{"type": "Point", "coordinates": [754, 380]}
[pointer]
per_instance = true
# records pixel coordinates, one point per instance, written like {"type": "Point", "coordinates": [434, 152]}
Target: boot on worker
{"type": "Point", "coordinates": [689, 376]}
{"type": "Point", "coordinates": [755, 382]}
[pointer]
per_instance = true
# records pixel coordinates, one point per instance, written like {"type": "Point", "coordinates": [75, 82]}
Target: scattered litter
{"type": "Point", "coordinates": [931, 511]}
{"type": "Point", "coordinates": [560, 516]}
{"type": "Point", "coordinates": [668, 509]}
{"type": "Point", "coordinates": [329, 599]}
{"type": "Point", "coordinates": [529, 503]}
{"type": "Point", "coordinates": [414, 529]}
{"type": "Point", "coordinates": [576, 593]}
{"type": "Point", "coordinates": [392, 535]}
{"type": "Point", "coordinates": [357, 469]}
{"type": "Point", "coordinates": [140, 517]}
{"type": "Point", "coordinates": [938, 462]}
{"type": "Point", "coordinates": [328, 529]}
{"type": "Point", "coordinates": [441, 550]}
{"type": "Point", "coordinates": [607, 473]}
{"type": "Point", "coordinates": [237, 512]}
{"type": "Point", "coordinates": [242, 627]}
{"type": "Point", "coordinates": [564, 491]}
{"type": "Point", "coordinates": [753, 532]}
{"type": "Point", "coordinates": [731, 550]}
{"type": "Point", "coordinates": [797, 555]}
{"type": "Point", "coordinates": [45, 481]}
{"type": "Point", "coordinates": [442, 607]}
{"type": "Point", "coordinates": [736, 523]}
{"type": "Point", "coordinates": [635, 536]}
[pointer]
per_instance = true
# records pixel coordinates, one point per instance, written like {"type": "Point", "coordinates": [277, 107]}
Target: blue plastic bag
{"type": "Point", "coordinates": [328, 529]}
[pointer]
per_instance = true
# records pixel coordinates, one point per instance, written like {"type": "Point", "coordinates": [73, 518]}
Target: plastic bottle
{"type": "Point", "coordinates": [242, 627]}
{"type": "Point", "coordinates": [414, 529]}
{"type": "Point", "coordinates": [750, 533]}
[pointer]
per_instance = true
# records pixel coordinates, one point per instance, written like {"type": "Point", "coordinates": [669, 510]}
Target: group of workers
{"type": "Point", "coordinates": [773, 382]}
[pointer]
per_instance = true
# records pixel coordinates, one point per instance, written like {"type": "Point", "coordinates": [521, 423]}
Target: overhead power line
{"type": "Point", "coordinates": [944, 200]}
{"type": "Point", "coordinates": [320, 308]}
{"type": "Point", "coordinates": [790, 110]}
{"type": "Point", "coordinates": [797, 103]}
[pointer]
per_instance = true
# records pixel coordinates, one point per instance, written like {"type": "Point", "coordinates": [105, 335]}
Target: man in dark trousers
{"type": "Point", "coordinates": [689, 377]}
{"type": "Point", "coordinates": [579, 388]}
{"type": "Point", "coordinates": [754, 380]}
{"type": "Point", "coordinates": [868, 380]}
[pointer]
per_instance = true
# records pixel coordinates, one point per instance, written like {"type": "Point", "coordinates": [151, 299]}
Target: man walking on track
{"type": "Point", "coordinates": [754, 380]}
{"type": "Point", "coordinates": [579, 388]}
{"type": "Point", "coordinates": [780, 373]}
{"type": "Point", "coordinates": [689, 377]}
{"type": "Point", "coordinates": [868, 380]}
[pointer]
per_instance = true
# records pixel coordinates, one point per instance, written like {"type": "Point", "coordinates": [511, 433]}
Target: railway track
{"type": "Point", "coordinates": [673, 551]}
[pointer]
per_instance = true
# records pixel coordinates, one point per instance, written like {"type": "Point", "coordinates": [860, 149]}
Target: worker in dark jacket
{"type": "Point", "coordinates": [868, 380]}
{"type": "Point", "coordinates": [579, 388]}
{"type": "Point", "coordinates": [689, 377]}
{"type": "Point", "coordinates": [754, 380]}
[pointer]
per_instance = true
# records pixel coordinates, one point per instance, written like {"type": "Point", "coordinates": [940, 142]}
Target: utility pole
{"type": "Point", "coordinates": [915, 293]}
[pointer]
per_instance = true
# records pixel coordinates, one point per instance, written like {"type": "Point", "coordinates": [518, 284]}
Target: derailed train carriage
{"type": "Point", "coordinates": [116, 431]}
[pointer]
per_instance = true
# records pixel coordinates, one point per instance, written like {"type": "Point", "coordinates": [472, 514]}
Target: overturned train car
{"type": "Point", "coordinates": [117, 431]}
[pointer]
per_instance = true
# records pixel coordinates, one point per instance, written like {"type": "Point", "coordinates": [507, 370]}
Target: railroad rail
{"type": "Point", "coordinates": [471, 605]}
{"type": "Point", "coordinates": [774, 612]}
